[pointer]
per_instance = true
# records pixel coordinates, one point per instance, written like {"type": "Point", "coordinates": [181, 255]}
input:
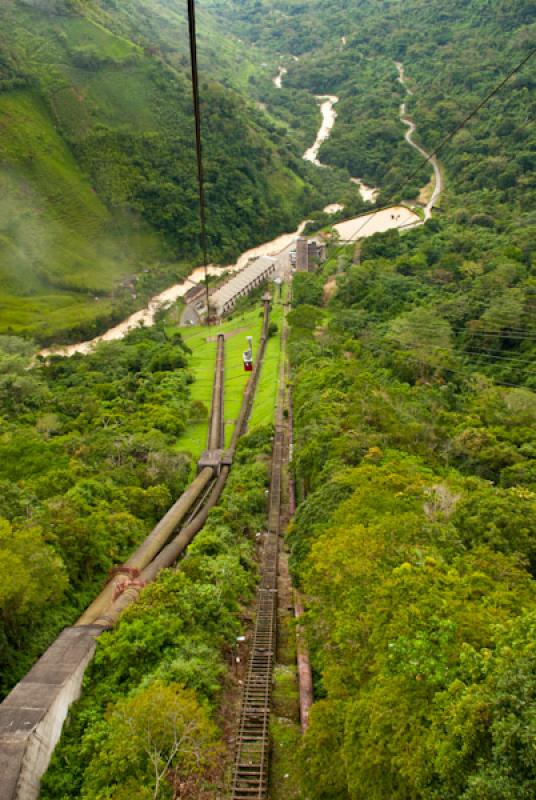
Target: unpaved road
{"type": "Point", "coordinates": [408, 136]}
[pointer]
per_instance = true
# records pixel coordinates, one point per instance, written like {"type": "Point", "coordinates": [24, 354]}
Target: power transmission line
{"type": "Point", "coordinates": [484, 334]}
{"type": "Point", "coordinates": [510, 361]}
{"type": "Point", "coordinates": [496, 382]}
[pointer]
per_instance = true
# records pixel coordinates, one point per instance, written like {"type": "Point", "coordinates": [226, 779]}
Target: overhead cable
{"type": "Point", "coordinates": [198, 143]}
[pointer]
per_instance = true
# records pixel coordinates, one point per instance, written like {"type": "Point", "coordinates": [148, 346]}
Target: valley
{"type": "Point", "coordinates": [290, 555]}
{"type": "Point", "coordinates": [390, 218]}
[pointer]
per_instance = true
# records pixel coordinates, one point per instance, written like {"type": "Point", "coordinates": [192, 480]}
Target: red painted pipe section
{"type": "Point", "coordinates": [305, 675]}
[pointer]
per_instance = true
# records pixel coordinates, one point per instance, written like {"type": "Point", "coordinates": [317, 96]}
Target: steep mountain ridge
{"type": "Point", "coordinates": [98, 173]}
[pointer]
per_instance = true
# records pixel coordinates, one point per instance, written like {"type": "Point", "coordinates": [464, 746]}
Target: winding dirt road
{"type": "Point", "coordinates": [408, 136]}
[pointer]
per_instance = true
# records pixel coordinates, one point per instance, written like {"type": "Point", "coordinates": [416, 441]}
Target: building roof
{"type": "Point", "coordinates": [255, 269]}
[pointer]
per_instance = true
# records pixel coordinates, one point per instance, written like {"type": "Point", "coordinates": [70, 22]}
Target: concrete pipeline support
{"type": "Point", "coordinates": [32, 716]}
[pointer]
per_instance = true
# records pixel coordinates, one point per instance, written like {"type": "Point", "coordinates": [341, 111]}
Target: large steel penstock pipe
{"type": "Point", "coordinates": [166, 558]}
{"type": "Point", "coordinates": [150, 547]}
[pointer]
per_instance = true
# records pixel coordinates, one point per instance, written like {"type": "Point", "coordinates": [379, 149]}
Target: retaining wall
{"type": "Point", "coordinates": [32, 715]}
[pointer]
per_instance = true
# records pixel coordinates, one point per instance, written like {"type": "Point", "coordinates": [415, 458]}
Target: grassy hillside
{"type": "Point", "coordinates": [60, 247]}
{"type": "Point", "coordinates": [97, 168]}
{"type": "Point", "coordinates": [236, 328]}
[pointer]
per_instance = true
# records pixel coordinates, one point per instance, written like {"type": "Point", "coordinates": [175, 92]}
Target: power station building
{"type": "Point", "coordinates": [309, 253]}
{"type": "Point", "coordinates": [256, 273]}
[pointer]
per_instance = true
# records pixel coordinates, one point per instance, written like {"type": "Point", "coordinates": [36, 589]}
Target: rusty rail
{"type": "Point", "coordinates": [250, 773]}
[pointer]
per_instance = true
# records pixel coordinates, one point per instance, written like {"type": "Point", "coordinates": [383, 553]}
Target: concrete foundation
{"type": "Point", "coordinates": [32, 715]}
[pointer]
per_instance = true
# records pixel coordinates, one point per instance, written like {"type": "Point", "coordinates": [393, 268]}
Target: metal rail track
{"type": "Point", "coordinates": [250, 774]}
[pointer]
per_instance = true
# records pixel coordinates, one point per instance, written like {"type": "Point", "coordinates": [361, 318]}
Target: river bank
{"type": "Point", "coordinates": [399, 217]}
{"type": "Point", "coordinates": [146, 316]}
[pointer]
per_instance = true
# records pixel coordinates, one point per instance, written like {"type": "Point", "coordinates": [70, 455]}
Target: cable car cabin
{"type": "Point", "coordinates": [248, 356]}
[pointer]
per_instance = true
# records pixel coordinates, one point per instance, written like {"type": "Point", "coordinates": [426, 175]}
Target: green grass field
{"type": "Point", "coordinates": [202, 364]}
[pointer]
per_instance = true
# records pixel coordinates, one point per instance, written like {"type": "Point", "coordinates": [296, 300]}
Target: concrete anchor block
{"type": "Point", "coordinates": [32, 715]}
{"type": "Point", "coordinates": [212, 459]}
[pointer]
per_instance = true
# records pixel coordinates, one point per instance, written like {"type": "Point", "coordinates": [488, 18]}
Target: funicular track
{"type": "Point", "coordinates": [252, 746]}
{"type": "Point", "coordinates": [32, 716]}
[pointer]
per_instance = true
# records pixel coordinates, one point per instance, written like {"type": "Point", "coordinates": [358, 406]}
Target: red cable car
{"type": "Point", "coordinates": [248, 356]}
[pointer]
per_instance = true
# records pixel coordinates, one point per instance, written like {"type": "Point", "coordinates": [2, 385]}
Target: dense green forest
{"type": "Point", "coordinates": [415, 460]}
{"type": "Point", "coordinates": [415, 452]}
{"type": "Point", "coordinates": [166, 664]}
{"type": "Point", "coordinates": [87, 466]}
{"type": "Point", "coordinates": [412, 377]}
{"type": "Point", "coordinates": [452, 56]}
{"type": "Point", "coordinates": [414, 539]}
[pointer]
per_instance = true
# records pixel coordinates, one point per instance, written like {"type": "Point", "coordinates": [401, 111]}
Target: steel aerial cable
{"type": "Point", "coordinates": [450, 136]}
{"type": "Point", "coordinates": [512, 361]}
{"type": "Point", "coordinates": [482, 333]}
{"type": "Point", "coordinates": [198, 144]}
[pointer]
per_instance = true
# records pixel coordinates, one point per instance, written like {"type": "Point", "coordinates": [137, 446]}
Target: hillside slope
{"type": "Point", "coordinates": [414, 451]}
{"type": "Point", "coordinates": [96, 161]}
